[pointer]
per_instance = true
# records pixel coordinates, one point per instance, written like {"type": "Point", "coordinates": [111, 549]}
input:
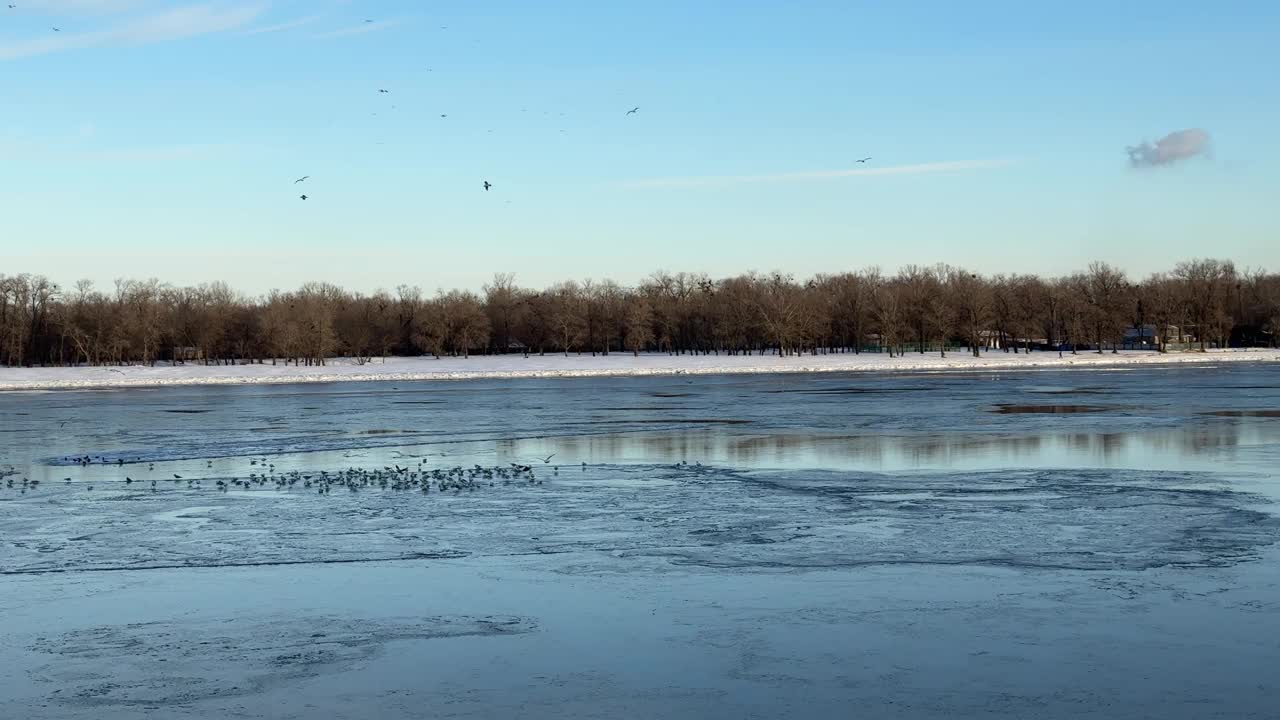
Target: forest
{"type": "Point", "coordinates": [1198, 304]}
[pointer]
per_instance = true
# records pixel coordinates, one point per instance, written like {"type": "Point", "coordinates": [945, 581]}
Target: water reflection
{"type": "Point", "coordinates": [1198, 446]}
{"type": "Point", "coordinates": [1049, 409]}
{"type": "Point", "coordinates": [1211, 444]}
{"type": "Point", "coordinates": [1152, 420]}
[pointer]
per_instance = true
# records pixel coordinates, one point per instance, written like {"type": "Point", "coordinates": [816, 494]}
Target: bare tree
{"type": "Point", "coordinates": [502, 302]}
{"type": "Point", "coordinates": [887, 307]}
{"type": "Point", "coordinates": [1104, 289]}
{"type": "Point", "coordinates": [777, 300]}
{"type": "Point", "coordinates": [1204, 282]}
{"type": "Point", "coordinates": [147, 321]}
{"type": "Point", "coordinates": [465, 324]}
{"type": "Point", "coordinates": [972, 299]}
{"type": "Point", "coordinates": [940, 315]}
{"type": "Point", "coordinates": [568, 316]}
{"type": "Point", "coordinates": [639, 325]}
{"type": "Point", "coordinates": [918, 290]}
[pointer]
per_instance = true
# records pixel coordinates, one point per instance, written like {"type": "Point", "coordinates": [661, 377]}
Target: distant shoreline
{"type": "Point", "coordinates": [494, 367]}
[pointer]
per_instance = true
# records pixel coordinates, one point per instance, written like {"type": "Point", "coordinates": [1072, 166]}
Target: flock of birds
{"type": "Point", "coordinates": [263, 475]}
{"type": "Point", "coordinates": [383, 91]}
{"type": "Point", "coordinates": [354, 479]}
{"type": "Point", "coordinates": [486, 184]}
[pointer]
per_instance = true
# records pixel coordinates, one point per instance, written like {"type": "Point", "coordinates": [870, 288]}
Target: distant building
{"type": "Point", "coordinates": [185, 353]}
{"type": "Point", "coordinates": [1148, 336]}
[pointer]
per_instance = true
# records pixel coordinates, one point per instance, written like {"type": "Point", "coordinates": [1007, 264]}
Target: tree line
{"type": "Point", "coordinates": [1198, 304]}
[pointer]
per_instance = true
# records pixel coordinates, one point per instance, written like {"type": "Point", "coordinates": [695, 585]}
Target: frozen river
{"type": "Point", "coordinates": [1042, 544]}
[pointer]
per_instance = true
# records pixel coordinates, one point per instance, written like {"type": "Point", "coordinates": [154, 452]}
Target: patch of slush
{"type": "Point", "coordinates": [197, 515]}
{"type": "Point", "coordinates": [160, 665]}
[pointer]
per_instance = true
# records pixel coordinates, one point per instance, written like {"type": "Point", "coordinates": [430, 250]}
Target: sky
{"type": "Point", "coordinates": [162, 139]}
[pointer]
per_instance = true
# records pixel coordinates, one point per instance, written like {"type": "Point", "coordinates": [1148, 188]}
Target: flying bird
{"type": "Point", "coordinates": [547, 459]}
{"type": "Point", "coordinates": [633, 111]}
{"type": "Point", "coordinates": [388, 92]}
{"type": "Point", "coordinates": [304, 177]}
{"type": "Point", "coordinates": [863, 160]}
{"type": "Point", "coordinates": [57, 29]}
{"type": "Point", "coordinates": [487, 185]}
{"type": "Point", "coordinates": [304, 197]}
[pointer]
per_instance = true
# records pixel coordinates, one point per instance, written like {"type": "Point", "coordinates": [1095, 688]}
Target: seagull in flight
{"type": "Point", "coordinates": [304, 197]}
{"type": "Point", "coordinates": [57, 29]}
{"type": "Point", "coordinates": [487, 185]}
{"type": "Point", "coordinates": [304, 177]}
{"type": "Point", "coordinates": [386, 92]}
{"type": "Point", "coordinates": [863, 160]}
{"type": "Point", "coordinates": [633, 111]}
{"type": "Point", "coordinates": [547, 459]}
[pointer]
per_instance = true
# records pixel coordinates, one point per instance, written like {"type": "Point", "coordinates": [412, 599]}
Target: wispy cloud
{"type": "Point", "coordinates": [160, 153]}
{"type": "Point", "coordinates": [917, 169]}
{"type": "Point", "coordinates": [77, 146]}
{"type": "Point", "coordinates": [359, 29]}
{"type": "Point", "coordinates": [287, 25]}
{"type": "Point", "coordinates": [1174, 147]}
{"type": "Point", "coordinates": [80, 8]}
{"type": "Point", "coordinates": [174, 24]}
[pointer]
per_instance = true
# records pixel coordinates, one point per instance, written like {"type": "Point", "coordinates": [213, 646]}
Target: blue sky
{"type": "Point", "coordinates": [149, 138]}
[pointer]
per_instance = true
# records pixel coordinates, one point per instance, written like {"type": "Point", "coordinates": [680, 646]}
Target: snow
{"type": "Point", "coordinates": [617, 364]}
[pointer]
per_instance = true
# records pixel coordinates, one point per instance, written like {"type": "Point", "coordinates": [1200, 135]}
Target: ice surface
{"type": "Point", "coordinates": [826, 545]}
{"type": "Point", "coordinates": [703, 516]}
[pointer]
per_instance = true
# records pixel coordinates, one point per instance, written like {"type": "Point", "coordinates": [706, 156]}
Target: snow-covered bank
{"type": "Point", "coordinates": [622, 365]}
